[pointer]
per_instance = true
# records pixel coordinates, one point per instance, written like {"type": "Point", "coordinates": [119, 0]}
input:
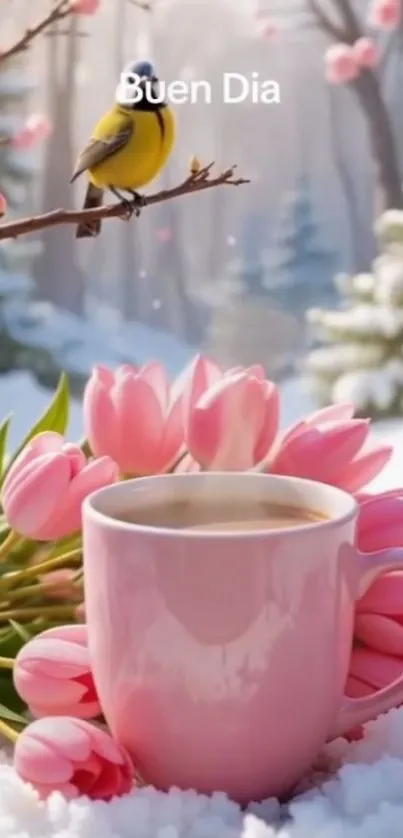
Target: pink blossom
{"type": "Point", "coordinates": [37, 127]}
{"type": "Point", "coordinates": [385, 14]}
{"type": "Point", "coordinates": [366, 53]}
{"type": "Point", "coordinates": [52, 674]}
{"type": "Point", "coordinates": [340, 64]}
{"type": "Point", "coordinates": [46, 485]}
{"type": "Point", "coordinates": [377, 656]}
{"type": "Point", "coordinates": [330, 446]}
{"type": "Point", "coordinates": [72, 757]}
{"type": "Point", "coordinates": [132, 416]}
{"type": "Point", "coordinates": [232, 425]}
{"type": "Point", "coordinates": [3, 205]}
{"type": "Point", "coordinates": [85, 7]}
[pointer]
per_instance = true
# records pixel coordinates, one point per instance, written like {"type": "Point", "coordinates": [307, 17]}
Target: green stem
{"type": "Point", "coordinates": [8, 732]}
{"type": "Point", "coordinates": [9, 543]}
{"type": "Point", "coordinates": [6, 663]}
{"type": "Point", "coordinates": [52, 612]}
{"type": "Point", "coordinates": [10, 579]}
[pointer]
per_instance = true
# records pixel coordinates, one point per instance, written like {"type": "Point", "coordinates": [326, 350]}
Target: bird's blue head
{"type": "Point", "coordinates": [143, 69]}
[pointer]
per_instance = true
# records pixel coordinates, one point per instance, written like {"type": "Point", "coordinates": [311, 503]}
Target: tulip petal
{"type": "Point", "coordinates": [385, 596]}
{"type": "Point", "coordinates": [270, 422]}
{"type": "Point", "coordinates": [173, 436]}
{"type": "Point", "coordinates": [374, 668]}
{"type": "Point", "coordinates": [36, 761]}
{"type": "Point", "coordinates": [99, 415]}
{"type": "Point", "coordinates": [75, 633]}
{"type": "Point", "coordinates": [140, 420]}
{"type": "Point", "coordinates": [40, 491]}
{"type": "Point", "coordinates": [380, 523]}
{"type": "Point", "coordinates": [380, 633]}
{"type": "Point", "coordinates": [67, 517]}
{"type": "Point", "coordinates": [364, 469]}
{"type": "Point", "coordinates": [47, 442]}
{"type": "Point", "coordinates": [332, 413]}
{"type": "Point", "coordinates": [45, 692]}
{"type": "Point", "coordinates": [54, 657]}
{"type": "Point", "coordinates": [103, 744]}
{"type": "Point", "coordinates": [355, 688]}
{"type": "Point", "coordinates": [72, 738]}
{"type": "Point", "coordinates": [194, 380]}
{"type": "Point", "coordinates": [155, 375]}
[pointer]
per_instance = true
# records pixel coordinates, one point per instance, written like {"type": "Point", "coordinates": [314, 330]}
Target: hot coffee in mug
{"type": "Point", "coordinates": [220, 612]}
{"type": "Point", "coordinates": [222, 514]}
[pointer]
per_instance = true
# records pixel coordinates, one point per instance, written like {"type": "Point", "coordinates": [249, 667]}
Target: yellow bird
{"type": "Point", "coordinates": [129, 146]}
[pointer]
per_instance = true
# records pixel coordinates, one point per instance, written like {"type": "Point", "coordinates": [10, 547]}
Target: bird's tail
{"type": "Point", "coordinates": [93, 198]}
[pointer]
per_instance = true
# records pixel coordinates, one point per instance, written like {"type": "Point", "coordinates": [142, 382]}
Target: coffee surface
{"type": "Point", "coordinates": [220, 515]}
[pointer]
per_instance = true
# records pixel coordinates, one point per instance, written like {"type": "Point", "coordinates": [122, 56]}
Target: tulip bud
{"type": "Point", "coordinates": [46, 485]}
{"type": "Point", "coordinates": [52, 674]}
{"type": "Point", "coordinates": [74, 758]}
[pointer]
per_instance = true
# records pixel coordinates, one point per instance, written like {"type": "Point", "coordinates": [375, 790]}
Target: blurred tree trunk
{"type": "Point", "coordinates": [172, 311]}
{"type": "Point", "coordinates": [369, 94]}
{"type": "Point", "coordinates": [127, 261]}
{"type": "Point", "coordinates": [59, 277]}
{"type": "Point", "coordinates": [358, 257]}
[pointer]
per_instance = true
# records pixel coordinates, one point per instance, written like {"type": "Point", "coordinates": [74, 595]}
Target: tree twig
{"type": "Point", "coordinates": [197, 182]}
{"type": "Point", "coordinates": [61, 10]}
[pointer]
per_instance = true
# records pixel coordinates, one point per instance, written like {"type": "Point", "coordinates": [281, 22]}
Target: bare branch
{"type": "Point", "coordinates": [60, 11]}
{"type": "Point", "coordinates": [350, 19]}
{"type": "Point", "coordinates": [337, 33]}
{"type": "Point", "coordinates": [196, 182]}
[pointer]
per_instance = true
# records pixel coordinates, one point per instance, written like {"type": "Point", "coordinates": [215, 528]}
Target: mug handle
{"type": "Point", "coordinates": [357, 711]}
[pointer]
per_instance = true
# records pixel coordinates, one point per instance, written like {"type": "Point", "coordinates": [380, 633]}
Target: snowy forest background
{"type": "Point", "coordinates": [231, 271]}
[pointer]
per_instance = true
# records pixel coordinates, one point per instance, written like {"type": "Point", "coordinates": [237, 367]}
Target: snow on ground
{"type": "Point", "coordinates": [20, 394]}
{"type": "Point", "coordinates": [362, 799]}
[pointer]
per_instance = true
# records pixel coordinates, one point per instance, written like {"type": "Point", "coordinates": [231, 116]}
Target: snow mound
{"type": "Point", "coordinates": [76, 344]}
{"type": "Point", "coordinates": [356, 792]}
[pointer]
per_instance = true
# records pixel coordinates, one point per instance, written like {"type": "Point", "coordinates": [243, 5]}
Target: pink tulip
{"type": "Point", "coordinates": [46, 485]}
{"type": "Point", "coordinates": [85, 7]}
{"type": "Point", "coordinates": [74, 758]}
{"type": "Point", "coordinates": [131, 416]}
{"type": "Point", "coordinates": [194, 380]}
{"type": "Point", "coordinates": [232, 426]}
{"type": "Point", "coordinates": [380, 522]}
{"type": "Point", "coordinates": [328, 446]}
{"type": "Point", "coordinates": [377, 657]}
{"type": "Point", "coordinates": [366, 53]}
{"type": "Point", "coordinates": [340, 64]}
{"type": "Point", "coordinates": [52, 674]}
{"type": "Point", "coordinates": [385, 14]}
{"type": "Point", "coordinates": [3, 205]}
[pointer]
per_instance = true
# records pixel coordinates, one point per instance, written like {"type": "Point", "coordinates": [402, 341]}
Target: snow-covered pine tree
{"type": "Point", "coordinates": [18, 168]}
{"type": "Point", "coordinates": [362, 361]}
{"type": "Point", "coordinates": [301, 266]}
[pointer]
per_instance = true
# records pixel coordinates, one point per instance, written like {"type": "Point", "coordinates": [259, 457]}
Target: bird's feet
{"type": "Point", "coordinates": [128, 205]}
{"type": "Point", "coordinates": [138, 202]}
{"type": "Point", "coordinates": [134, 205]}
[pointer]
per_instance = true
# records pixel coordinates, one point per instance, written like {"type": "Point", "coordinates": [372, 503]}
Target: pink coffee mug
{"type": "Point", "coordinates": [221, 658]}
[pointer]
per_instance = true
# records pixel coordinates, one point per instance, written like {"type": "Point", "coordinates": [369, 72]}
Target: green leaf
{"type": "Point", "coordinates": [21, 631]}
{"type": "Point", "coordinates": [10, 644]}
{"type": "Point", "coordinates": [55, 417]}
{"type": "Point", "coordinates": [3, 443]}
{"type": "Point", "coordinates": [10, 698]}
{"type": "Point", "coordinates": [11, 716]}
